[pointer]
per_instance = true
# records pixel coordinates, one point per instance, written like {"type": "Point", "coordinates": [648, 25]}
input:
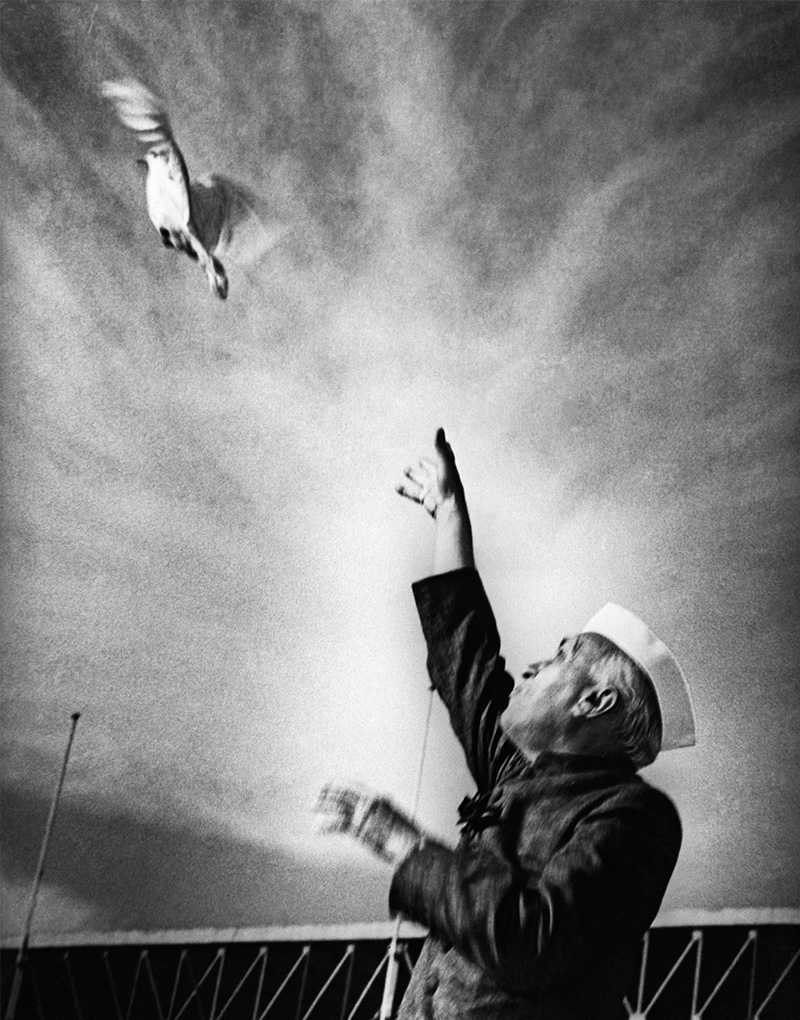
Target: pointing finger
{"type": "Point", "coordinates": [443, 448]}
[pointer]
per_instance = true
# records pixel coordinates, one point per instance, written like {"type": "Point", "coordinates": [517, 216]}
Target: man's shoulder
{"type": "Point", "coordinates": [648, 791]}
{"type": "Point", "coordinates": [637, 794]}
{"type": "Point", "coordinates": [590, 790]}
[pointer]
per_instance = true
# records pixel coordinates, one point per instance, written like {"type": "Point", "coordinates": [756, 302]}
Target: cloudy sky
{"type": "Point", "coordinates": [567, 233]}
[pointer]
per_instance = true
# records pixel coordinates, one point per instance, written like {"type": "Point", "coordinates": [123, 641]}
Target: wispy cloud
{"type": "Point", "coordinates": [565, 232]}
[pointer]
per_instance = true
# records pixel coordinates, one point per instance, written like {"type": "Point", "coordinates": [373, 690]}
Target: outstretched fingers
{"type": "Point", "coordinates": [336, 808]}
{"type": "Point", "coordinates": [433, 479]}
{"type": "Point", "coordinates": [409, 493]}
{"type": "Point", "coordinates": [345, 810]}
{"type": "Point", "coordinates": [416, 481]}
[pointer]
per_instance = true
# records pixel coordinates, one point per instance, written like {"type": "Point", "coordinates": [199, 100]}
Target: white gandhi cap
{"type": "Point", "coordinates": [634, 637]}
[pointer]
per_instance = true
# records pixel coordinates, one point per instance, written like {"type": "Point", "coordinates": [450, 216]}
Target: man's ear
{"type": "Point", "coordinates": [595, 701]}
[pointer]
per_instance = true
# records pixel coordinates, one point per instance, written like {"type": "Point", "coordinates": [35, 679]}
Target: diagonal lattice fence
{"type": "Point", "coordinates": [686, 973]}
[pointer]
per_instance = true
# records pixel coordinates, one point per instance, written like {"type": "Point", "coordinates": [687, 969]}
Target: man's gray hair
{"type": "Point", "coordinates": [640, 728]}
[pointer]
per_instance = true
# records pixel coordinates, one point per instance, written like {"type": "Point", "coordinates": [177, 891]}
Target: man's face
{"type": "Point", "coordinates": [539, 711]}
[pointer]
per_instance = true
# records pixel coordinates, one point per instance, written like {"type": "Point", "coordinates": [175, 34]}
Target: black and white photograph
{"type": "Point", "coordinates": [399, 506]}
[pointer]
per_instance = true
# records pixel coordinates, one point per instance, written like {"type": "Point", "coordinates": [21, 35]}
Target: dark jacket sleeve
{"type": "Point", "coordinates": [533, 933]}
{"type": "Point", "coordinates": [465, 665]}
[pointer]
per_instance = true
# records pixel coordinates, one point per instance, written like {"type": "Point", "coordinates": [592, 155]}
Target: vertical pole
{"type": "Point", "coordinates": [752, 993]}
{"type": "Point", "coordinates": [387, 1004]}
{"type": "Point", "coordinates": [37, 881]}
{"type": "Point", "coordinates": [642, 973]}
{"type": "Point", "coordinates": [697, 936]}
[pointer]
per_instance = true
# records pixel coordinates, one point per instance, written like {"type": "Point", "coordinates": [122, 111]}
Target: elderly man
{"type": "Point", "coordinates": [565, 851]}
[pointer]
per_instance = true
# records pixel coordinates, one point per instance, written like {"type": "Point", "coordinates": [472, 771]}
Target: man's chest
{"type": "Point", "coordinates": [529, 822]}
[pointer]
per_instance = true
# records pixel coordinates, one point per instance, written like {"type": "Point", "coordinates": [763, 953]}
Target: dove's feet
{"type": "Point", "coordinates": [217, 278]}
{"type": "Point", "coordinates": [165, 237]}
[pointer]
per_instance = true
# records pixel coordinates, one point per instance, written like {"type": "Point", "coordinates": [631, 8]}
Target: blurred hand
{"type": "Point", "coordinates": [370, 818]}
{"type": "Point", "coordinates": [434, 482]}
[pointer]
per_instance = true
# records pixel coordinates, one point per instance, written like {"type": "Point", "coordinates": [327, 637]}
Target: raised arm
{"type": "Point", "coordinates": [436, 484]}
{"type": "Point", "coordinates": [464, 660]}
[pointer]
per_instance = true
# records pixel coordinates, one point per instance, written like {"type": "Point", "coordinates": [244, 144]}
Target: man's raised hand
{"type": "Point", "coordinates": [436, 484]}
{"type": "Point", "coordinates": [433, 481]}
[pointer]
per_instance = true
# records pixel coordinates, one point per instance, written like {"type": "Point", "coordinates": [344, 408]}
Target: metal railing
{"type": "Point", "coordinates": [727, 988]}
{"type": "Point", "coordinates": [686, 973]}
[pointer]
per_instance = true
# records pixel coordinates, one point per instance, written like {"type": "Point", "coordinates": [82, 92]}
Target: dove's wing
{"type": "Point", "coordinates": [139, 109]}
{"type": "Point", "coordinates": [233, 221]}
{"type": "Point", "coordinates": [168, 200]}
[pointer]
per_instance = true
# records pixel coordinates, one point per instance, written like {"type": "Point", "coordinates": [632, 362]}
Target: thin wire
{"type": "Point", "coordinates": [418, 790]}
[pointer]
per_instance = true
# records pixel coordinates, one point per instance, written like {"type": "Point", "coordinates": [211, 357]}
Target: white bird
{"type": "Point", "coordinates": [197, 217]}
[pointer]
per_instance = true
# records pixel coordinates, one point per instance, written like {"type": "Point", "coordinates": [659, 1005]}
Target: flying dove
{"type": "Point", "coordinates": [198, 217]}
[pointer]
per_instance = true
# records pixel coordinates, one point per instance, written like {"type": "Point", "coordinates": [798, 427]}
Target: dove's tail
{"type": "Point", "coordinates": [214, 269]}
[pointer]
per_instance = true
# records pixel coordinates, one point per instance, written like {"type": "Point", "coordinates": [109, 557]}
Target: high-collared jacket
{"type": "Point", "coordinates": [540, 910]}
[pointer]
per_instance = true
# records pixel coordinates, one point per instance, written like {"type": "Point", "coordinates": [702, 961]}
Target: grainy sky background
{"type": "Point", "coordinates": [567, 233]}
